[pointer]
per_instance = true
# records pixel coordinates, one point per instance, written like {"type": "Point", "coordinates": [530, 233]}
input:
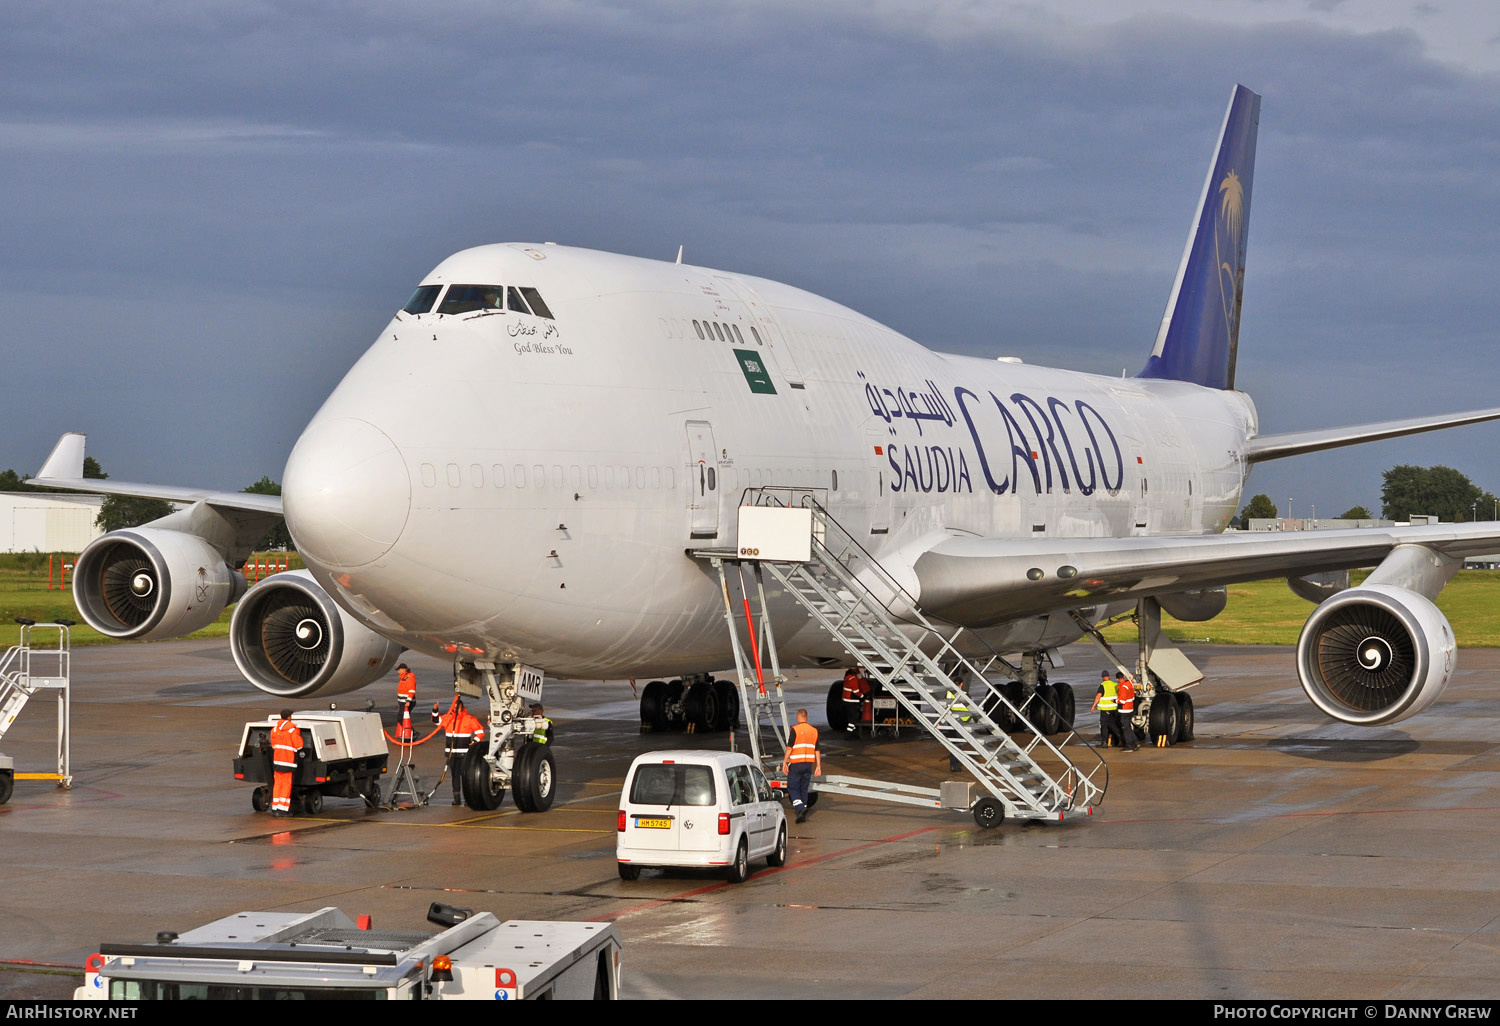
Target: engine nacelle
{"type": "Point", "coordinates": [1375, 654]}
{"type": "Point", "coordinates": [290, 638]}
{"type": "Point", "coordinates": [152, 583]}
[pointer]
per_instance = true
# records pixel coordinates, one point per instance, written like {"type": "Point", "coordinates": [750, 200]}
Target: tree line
{"type": "Point", "coordinates": [1407, 491]}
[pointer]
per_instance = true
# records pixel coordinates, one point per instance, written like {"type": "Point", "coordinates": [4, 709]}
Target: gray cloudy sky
{"type": "Point", "coordinates": [209, 209]}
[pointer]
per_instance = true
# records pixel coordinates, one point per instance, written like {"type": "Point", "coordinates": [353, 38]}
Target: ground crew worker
{"type": "Point", "coordinates": [542, 733]}
{"type": "Point", "coordinates": [406, 697]}
{"type": "Point", "coordinates": [856, 687]}
{"type": "Point", "coordinates": [1107, 701]}
{"type": "Point", "coordinates": [286, 749]}
{"type": "Point", "coordinates": [1125, 691]}
{"type": "Point", "coordinates": [802, 762]}
{"type": "Point", "coordinates": [460, 730]}
{"type": "Point", "coordinates": [958, 702]}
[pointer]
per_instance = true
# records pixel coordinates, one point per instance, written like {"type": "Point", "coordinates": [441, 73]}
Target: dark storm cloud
{"type": "Point", "coordinates": [211, 209]}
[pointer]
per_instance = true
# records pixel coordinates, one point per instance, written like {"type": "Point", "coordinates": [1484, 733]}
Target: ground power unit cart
{"type": "Point", "coordinates": [343, 756]}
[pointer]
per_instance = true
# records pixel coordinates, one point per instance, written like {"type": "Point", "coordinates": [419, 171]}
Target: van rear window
{"type": "Point", "coordinates": [657, 784]}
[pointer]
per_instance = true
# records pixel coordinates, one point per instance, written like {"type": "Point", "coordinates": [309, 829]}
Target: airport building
{"type": "Point", "coordinates": [47, 522]}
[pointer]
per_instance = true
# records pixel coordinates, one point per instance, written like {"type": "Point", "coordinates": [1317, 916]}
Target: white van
{"type": "Point", "coordinates": [697, 810]}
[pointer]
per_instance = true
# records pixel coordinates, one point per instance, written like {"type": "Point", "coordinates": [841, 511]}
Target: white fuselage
{"type": "Point", "coordinates": [508, 486]}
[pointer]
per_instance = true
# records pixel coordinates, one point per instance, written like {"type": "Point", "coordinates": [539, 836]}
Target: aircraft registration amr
{"type": "Point", "coordinates": [514, 472]}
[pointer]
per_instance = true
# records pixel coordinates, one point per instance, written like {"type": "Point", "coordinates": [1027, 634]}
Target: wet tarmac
{"type": "Point", "coordinates": [1279, 855]}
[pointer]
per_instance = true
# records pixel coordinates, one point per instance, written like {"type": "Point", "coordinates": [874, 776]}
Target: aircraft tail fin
{"type": "Point", "coordinates": [1199, 336]}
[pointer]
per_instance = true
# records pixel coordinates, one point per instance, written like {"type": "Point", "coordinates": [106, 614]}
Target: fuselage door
{"type": "Point", "coordinates": [702, 474]}
{"type": "Point", "coordinates": [765, 332]}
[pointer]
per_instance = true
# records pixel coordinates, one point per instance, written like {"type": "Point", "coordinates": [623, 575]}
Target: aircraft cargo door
{"type": "Point", "coordinates": [702, 475]}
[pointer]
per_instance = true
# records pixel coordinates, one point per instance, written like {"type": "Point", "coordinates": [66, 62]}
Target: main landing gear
{"type": "Point", "coordinates": [511, 759]}
{"type": "Point", "coordinates": [696, 703]}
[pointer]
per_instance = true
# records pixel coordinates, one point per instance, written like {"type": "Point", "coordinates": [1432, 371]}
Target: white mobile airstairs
{"type": "Point", "coordinates": [1021, 775]}
{"type": "Point", "coordinates": [26, 669]}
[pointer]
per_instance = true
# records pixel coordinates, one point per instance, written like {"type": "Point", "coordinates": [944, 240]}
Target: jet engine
{"type": "Point", "coordinates": [152, 583]}
{"type": "Point", "coordinates": [1375, 654]}
{"type": "Point", "coordinates": [289, 638]}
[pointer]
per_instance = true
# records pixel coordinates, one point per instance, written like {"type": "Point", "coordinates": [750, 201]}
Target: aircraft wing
{"type": "Point", "coordinates": [1294, 443]}
{"type": "Point", "coordinates": [64, 469]}
{"type": "Point", "coordinates": [979, 582]}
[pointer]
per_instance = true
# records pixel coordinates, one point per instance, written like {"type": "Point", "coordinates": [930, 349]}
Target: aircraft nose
{"type": "Point", "coordinates": [346, 493]}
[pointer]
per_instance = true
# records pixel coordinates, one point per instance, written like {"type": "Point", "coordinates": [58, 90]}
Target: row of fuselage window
{"type": "Point", "coordinates": [538, 476]}
{"type": "Point", "coordinates": [518, 476]}
{"type": "Point", "coordinates": [462, 299]}
{"type": "Point", "coordinates": [709, 331]}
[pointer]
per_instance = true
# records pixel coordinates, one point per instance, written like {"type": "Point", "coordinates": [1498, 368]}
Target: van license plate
{"type": "Point", "coordinates": [653, 824]}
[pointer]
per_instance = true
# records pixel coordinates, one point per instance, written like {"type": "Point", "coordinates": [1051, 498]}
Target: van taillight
{"type": "Point", "coordinates": [723, 823]}
{"type": "Point", "coordinates": [620, 824]}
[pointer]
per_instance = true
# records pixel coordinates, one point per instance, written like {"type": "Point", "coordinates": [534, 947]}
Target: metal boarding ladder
{"type": "Point", "coordinates": [1030, 777]}
{"type": "Point", "coordinates": [19, 681]}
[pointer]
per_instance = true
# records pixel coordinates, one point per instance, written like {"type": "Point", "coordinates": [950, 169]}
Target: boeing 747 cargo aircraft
{"type": "Point", "coordinates": [515, 474]}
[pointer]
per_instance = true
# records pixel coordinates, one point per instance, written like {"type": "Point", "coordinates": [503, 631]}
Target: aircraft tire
{"type": "Point", "coordinates": [702, 706]}
{"type": "Point", "coordinates": [653, 705]}
{"type": "Point", "coordinates": [1066, 704]}
{"type": "Point", "coordinates": [1184, 716]}
{"type": "Point", "coordinates": [1015, 695]}
{"type": "Point", "coordinates": [729, 704]}
{"type": "Point", "coordinates": [480, 792]}
{"type": "Point", "coordinates": [838, 722]}
{"type": "Point", "coordinates": [1043, 715]}
{"type": "Point", "coordinates": [520, 776]}
{"type": "Point", "coordinates": [673, 701]}
{"type": "Point", "coordinates": [1163, 719]}
{"type": "Point", "coordinates": [542, 779]}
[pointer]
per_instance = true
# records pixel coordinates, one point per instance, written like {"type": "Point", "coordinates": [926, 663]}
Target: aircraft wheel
{"type": "Point", "coordinates": [1041, 711]}
{"type": "Point", "coordinates": [481, 793]}
{"type": "Point", "coordinates": [312, 802]}
{"type": "Point", "coordinates": [543, 779]}
{"type": "Point", "coordinates": [729, 704]}
{"type": "Point", "coordinates": [260, 798]}
{"type": "Point", "coordinates": [1163, 718]}
{"type": "Point", "coordinates": [1015, 695]}
{"type": "Point", "coordinates": [520, 776]}
{"type": "Point", "coordinates": [629, 872]}
{"type": "Point", "coordinates": [1066, 703]}
{"type": "Point", "coordinates": [989, 813]}
{"type": "Point", "coordinates": [702, 706]}
{"type": "Point", "coordinates": [1184, 716]}
{"type": "Point", "coordinates": [672, 706]}
{"type": "Point", "coordinates": [838, 720]}
{"type": "Point", "coordinates": [653, 705]}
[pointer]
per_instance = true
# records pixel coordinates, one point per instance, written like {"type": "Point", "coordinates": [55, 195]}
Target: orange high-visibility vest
{"type": "Point", "coordinates": [460, 729]}
{"type": "Point", "coordinates": [286, 741]}
{"type": "Point", "coordinates": [1127, 696]}
{"type": "Point", "coordinates": [804, 744]}
{"type": "Point", "coordinates": [406, 686]}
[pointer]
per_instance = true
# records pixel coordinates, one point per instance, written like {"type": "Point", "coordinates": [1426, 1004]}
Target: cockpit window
{"type": "Point", "coordinates": [462, 299]}
{"type": "Point", "coordinates": [515, 302]}
{"type": "Point", "coordinates": [421, 300]}
{"type": "Point", "coordinates": [537, 306]}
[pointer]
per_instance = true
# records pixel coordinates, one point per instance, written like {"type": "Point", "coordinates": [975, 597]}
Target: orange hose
{"type": "Point", "coordinates": [411, 744]}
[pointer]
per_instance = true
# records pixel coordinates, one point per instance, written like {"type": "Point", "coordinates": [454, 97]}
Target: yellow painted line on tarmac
{"type": "Point", "coordinates": [38, 776]}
